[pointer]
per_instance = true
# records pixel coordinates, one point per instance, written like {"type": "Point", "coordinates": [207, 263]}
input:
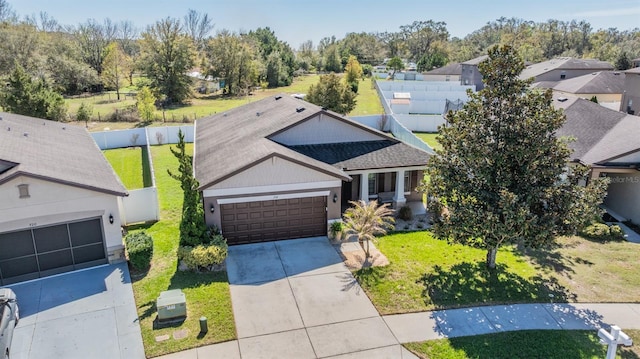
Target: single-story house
{"type": "Point", "coordinates": [608, 142]}
{"type": "Point", "coordinates": [450, 72]}
{"type": "Point", "coordinates": [59, 207]}
{"type": "Point", "coordinates": [283, 168]}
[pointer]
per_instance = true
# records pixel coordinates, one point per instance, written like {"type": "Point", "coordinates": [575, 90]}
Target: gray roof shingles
{"type": "Point", "coordinates": [227, 143]}
{"type": "Point", "coordinates": [600, 133]}
{"type": "Point", "coordinates": [564, 63]}
{"type": "Point", "coordinates": [365, 155]}
{"type": "Point", "coordinates": [601, 82]}
{"type": "Point", "coordinates": [55, 152]}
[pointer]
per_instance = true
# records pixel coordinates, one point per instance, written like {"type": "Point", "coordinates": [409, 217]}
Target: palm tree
{"type": "Point", "coordinates": [366, 221]}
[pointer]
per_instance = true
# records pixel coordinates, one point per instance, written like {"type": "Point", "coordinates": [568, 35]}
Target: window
{"type": "Point", "coordinates": [372, 184]}
{"type": "Point", "coordinates": [407, 182]}
{"type": "Point", "coordinates": [23, 190]}
{"type": "Point", "coordinates": [448, 78]}
{"type": "Point", "coordinates": [563, 75]}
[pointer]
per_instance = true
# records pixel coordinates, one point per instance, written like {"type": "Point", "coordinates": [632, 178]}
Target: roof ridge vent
{"type": "Point", "coordinates": [562, 99]}
{"type": "Point", "coordinates": [26, 134]}
{"type": "Point", "coordinates": [278, 97]}
{"type": "Point", "coordinates": [300, 109]}
{"type": "Point", "coordinates": [257, 114]}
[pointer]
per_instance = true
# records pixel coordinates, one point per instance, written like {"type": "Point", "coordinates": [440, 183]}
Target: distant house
{"type": "Point", "coordinates": [450, 72]}
{"type": "Point", "coordinates": [470, 75]}
{"type": "Point", "coordinates": [563, 68]}
{"type": "Point", "coordinates": [631, 97]}
{"type": "Point", "coordinates": [635, 62]}
{"type": "Point", "coordinates": [283, 168]}
{"type": "Point", "coordinates": [606, 86]}
{"type": "Point", "coordinates": [59, 200]}
{"type": "Point", "coordinates": [557, 69]}
{"type": "Point", "coordinates": [607, 141]}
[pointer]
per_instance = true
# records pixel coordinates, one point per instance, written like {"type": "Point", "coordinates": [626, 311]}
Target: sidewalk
{"type": "Point", "coordinates": [414, 327]}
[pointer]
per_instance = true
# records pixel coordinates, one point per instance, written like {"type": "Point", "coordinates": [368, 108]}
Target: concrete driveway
{"type": "Point", "coordinates": [86, 314]}
{"type": "Point", "coordinates": [296, 299]}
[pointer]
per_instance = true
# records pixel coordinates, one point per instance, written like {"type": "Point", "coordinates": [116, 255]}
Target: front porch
{"type": "Point", "coordinates": [396, 187]}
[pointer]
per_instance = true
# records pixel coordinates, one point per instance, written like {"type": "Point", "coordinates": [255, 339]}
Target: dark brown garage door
{"type": "Point", "coordinates": [250, 222]}
{"type": "Point", "coordinates": [39, 252]}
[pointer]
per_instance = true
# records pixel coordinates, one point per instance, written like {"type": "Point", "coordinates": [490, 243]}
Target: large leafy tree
{"type": "Point", "coordinates": [503, 176]}
{"type": "Point", "coordinates": [233, 59]}
{"type": "Point", "coordinates": [167, 55]}
{"type": "Point", "coordinates": [396, 65]}
{"type": "Point", "coordinates": [366, 221]}
{"type": "Point", "coordinates": [32, 97]}
{"type": "Point", "coordinates": [116, 67]}
{"type": "Point", "coordinates": [331, 93]}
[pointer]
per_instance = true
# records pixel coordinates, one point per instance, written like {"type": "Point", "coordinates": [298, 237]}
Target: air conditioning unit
{"type": "Point", "coordinates": [171, 304]}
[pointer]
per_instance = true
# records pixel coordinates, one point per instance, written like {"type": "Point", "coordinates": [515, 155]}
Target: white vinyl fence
{"type": "Point", "coordinates": [142, 204]}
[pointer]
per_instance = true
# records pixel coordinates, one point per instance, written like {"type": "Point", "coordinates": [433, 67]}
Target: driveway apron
{"type": "Point", "coordinates": [296, 299]}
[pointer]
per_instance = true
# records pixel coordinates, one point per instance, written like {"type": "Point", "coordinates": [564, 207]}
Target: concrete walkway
{"type": "Point", "coordinates": [415, 327]}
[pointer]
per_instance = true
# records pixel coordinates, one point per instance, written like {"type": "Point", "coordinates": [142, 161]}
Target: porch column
{"type": "Point", "coordinates": [398, 198]}
{"type": "Point", "coordinates": [364, 187]}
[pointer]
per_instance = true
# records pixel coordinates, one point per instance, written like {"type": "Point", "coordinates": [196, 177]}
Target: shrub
{"type": "Point", "coordinates": [336, 227]}
{"type": "Point", "coordinates": [603, 232]}
{"type": "Point", "coordinates": [139, 249]}
{"type": "Point", "coordinates": [405, 213]}
{"type": "Point", "coordinates": [204, 255]}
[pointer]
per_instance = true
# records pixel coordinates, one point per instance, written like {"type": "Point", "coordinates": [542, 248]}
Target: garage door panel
{"type": "Point", "coordinates": [16, 244]}
{"type": "Point", "coordinates": [51, 238]}
{"type": "Point", "coordinates": [61, 258]}
{"type": "Point", "coordinates": [87, 232]}
{"type": "Point", "coordinates": [19, 266]}
{"type": "Point", "coordinates": [90, 253]}
{"type": "Point", "coordinates": [274, 219]}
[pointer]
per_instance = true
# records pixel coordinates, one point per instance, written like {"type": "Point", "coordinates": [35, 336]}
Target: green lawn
{"type": "Point", "coordinates": [367, 101]}
{"type": "Point", "coordinates": [127, 162]}
{"type": "Point", "coordinates": [429, 139]}
{"type": "Point", "coordinates": [548, 344]}
{"type": "Point", "coordinates": [207, 293]}
{"type": "Point", "coordinates": [106, 104]}
{"type": "Point", "coordinates": [425, 273]}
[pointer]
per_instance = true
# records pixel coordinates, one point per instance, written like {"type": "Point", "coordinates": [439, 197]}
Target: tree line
{"type": "Point", "coordinates": [96, 55]}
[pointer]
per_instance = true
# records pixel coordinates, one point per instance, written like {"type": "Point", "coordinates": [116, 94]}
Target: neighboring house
{"type": "Point", "coordinates": [631, 97]}
{"type": "Point", "coordinates": [59, 207]}
{"type": "Point", "coordinates": [607, 141]}
{"type": "Point", "coordinates": [450, 72]}
{"type": "Point", "coordinates": [606, 86]}
{"type": "Point", "coordinates": [470, 75]}
{"type": "Point", "coordinates": [283, 168]}
{"type": "Point", "coordinates": [563, 68]}
{"type": "Point", "coordinates": [635, 62]}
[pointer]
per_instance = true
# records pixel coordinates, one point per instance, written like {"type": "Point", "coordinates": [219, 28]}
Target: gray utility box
{"type": "Point", "coordinates": [171, 304]}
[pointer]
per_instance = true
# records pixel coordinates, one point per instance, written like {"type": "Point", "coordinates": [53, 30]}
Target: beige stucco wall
{"type": "Point", "coordinates": [273, 171]}
{"type": "Point", "coordinates": [602, 97]}
{"type": "Point", "coordinates": [632, 93]}
{"type": "Point", "coordinates": [51, 203]}
{"type": "Point", "coordinates": [452, 78]}
{"type": "Point", "coordinates": [623, 195]}
{"type": "Point", "coordinates": [324, 129]}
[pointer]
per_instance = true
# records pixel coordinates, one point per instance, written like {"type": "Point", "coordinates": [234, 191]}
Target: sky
{"type": "Point", "coordinates": [296, 21]}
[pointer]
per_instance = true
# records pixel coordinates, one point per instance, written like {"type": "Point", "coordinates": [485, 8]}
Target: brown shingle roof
{"type": "Point", "coordinates": [55, 152]}
{"type": "Point", "coordinates": [230, 142]}
{"type": "Point", "coordinates": [451, 69]}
